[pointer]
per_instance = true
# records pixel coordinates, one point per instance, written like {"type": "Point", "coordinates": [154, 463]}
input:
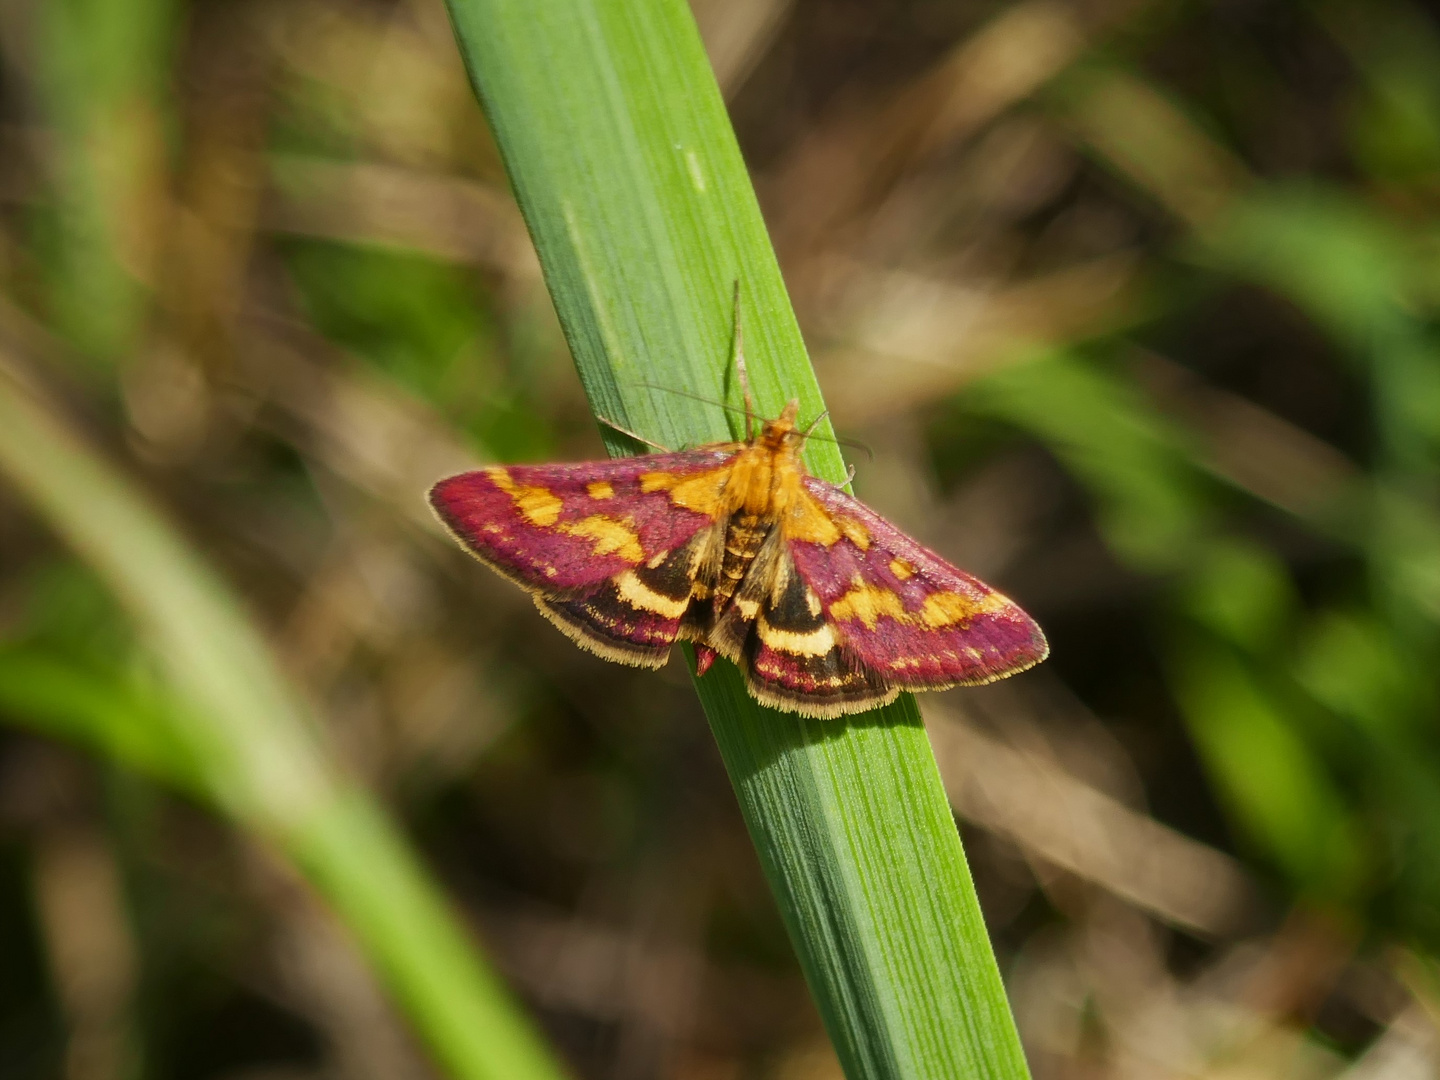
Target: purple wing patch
{"type": "Point", "coordinates": [566, 528]}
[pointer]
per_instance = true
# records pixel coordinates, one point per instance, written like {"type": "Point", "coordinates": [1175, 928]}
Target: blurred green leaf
{"type": "Point", "coordinates": [1278, 792]}
{"type": "Point", "coordinates": [414, 318]}
{"type": "Point", "coordinates": [1352, 271]}
{"type": "Point", "coordinates": [1332, 254]}
{"type": "Point", "coordinates": [114, 714]}
{"type": "Point", "coordinates": [102, 67]}
{"type": "Point", "coordinates": [1394, 120]}
{"type": "Point", "coordinates": [1351, 663]}
{"type": "Point", "coordinates": [66, 605]}
{"type": "Point", "coordinates": [1150, 500]}
{"type": "Point", "coordinates": [1242, 593]}
{"type": "Point", "coordinates": [240, 735]}
{"type": "Point", "coordinates": [419, 321]}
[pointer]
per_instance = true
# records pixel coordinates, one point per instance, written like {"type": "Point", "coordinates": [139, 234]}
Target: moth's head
{"type": "Point", "coordinates": [780, 433]}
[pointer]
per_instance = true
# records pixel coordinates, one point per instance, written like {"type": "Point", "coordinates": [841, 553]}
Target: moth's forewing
{"type": "Point", "coordinates": [907, 614]}
{"type": "Point", "coordinates": [596, 543]}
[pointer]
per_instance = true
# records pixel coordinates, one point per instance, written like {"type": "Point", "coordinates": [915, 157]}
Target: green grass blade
{"type": "Point", "coordinates": [627, 170]}
{"type": "Point", "coordinates": [101, 68]}
{"type": "Point", "coordinates": [239, 735]}
{"type": "Point", "coordinates": [104, 711]}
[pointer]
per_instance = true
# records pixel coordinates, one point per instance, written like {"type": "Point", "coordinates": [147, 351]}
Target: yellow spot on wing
{"type": "Point", "coordinates": [948, 608]}
{"type": "Point", "coordinates": [868, 604]}
{"type": "Point", "coordinates": [856, 533]}
{"type": "Point", "coordinates": [901, 569]}
{"type": "Point", "coordinates": [542, 508]}
{"type": "Point", "coordinates": [703, 493]}
{"type": "Point", "coordinates": [808, 521]}
{"type": "Point", "coordinates": [537, 505]}
{"type": "Point", "coordinates": [815, 642]}
{"type": "Point", "coordinates": [611, 535]}
{"type": "Point", "coordinates": [600, 489]}
{"type": "Point", "coordinates": [637, 594]}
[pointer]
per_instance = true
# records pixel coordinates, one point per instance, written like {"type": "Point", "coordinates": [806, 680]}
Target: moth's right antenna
{"type": "Point", "coordinates": [815, 423]}
{"type": "Point", "coordinates": [740, 368]}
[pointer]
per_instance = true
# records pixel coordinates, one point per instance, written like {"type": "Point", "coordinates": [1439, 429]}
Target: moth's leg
{"type": "Point", "coordinates": [850, 474]}
{"type": "Point", "coordinates": [704, 657]}
{"type": "Point", "coordinates": [638, 438]}
{"type": "Point", "coordinates": [739, 360]}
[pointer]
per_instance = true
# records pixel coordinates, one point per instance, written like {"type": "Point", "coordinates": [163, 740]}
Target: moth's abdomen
{"type": "Point", "coordinates": [743, 540]}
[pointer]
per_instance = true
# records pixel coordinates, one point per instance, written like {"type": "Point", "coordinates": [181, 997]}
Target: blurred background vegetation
{"type": "Point", "coordinates": [1136, 304]}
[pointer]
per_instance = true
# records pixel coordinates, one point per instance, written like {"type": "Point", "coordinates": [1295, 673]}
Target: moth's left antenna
{"type": "Point", "coordinates": [633, 434]}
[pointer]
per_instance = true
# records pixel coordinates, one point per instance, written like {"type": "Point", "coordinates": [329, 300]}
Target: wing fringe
{"type": "Point", "coordinates": [607, 648]}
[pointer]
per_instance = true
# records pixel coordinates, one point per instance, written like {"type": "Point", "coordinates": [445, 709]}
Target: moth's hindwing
{"type": "Point", "coordinates": [795, 659]}
{"type": "Point", "coordinates": [605, 548]}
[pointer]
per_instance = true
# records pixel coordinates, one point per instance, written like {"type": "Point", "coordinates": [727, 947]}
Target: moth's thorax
{"type": "Point", "coordinates": [763, 481]}
{"type": "Point", "coordinates": [767, 473]}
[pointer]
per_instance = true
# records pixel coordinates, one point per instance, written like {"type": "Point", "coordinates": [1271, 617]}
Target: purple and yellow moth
{"type": "Point", "coordinates": [825, 607]}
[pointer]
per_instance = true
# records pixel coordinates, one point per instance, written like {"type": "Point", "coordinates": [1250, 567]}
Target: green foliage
{"type": "Point", "coordinates": [417, 321]}
{"type": "Point", "coordinates": [1097, 424]}
{"type": "Point", "coordinates": [1272, 779]}
{"type": "Point", "coordinates": [101, 74]}
{"type": "Point", "coordinates": [1315, 720]}
{"type": "Point", "coordinates": [414, 318]}
{"type": "Point", "coordinates": [232, 730]}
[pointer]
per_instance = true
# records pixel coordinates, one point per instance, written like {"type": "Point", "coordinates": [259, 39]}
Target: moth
{"type": "Point", "coordinates": [825, 606]}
